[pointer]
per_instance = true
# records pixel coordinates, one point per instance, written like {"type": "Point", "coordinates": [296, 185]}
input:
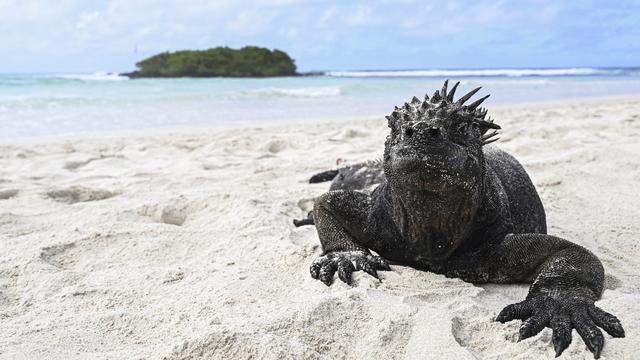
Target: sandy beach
{"type": "Point", "coordinates": [179, 244]}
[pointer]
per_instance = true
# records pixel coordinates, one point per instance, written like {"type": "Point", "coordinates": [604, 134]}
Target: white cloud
{"type": "Point", "coordinates": [32, 11]}
{"type": "Point", "coordinates": [251, 22]}
{"type": "Point", "coordinates": [362, 15]}
{"type": "Point", "coordinates": [87, 19]}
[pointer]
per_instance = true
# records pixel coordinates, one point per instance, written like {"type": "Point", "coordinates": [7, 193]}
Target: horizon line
{"type": "Point", "coordinates": [362, 70]}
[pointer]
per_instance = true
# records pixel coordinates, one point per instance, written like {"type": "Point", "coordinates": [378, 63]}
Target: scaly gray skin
{"type": "Point", "coordinates": [454, 207]}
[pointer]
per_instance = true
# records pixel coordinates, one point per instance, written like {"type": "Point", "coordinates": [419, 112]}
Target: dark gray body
{"type": "Point", "coordinates": [524, 206]}
{"type": "Point", "coordinates": [511, 205]}
{"type": "Point", "coordinates": [361, 176]}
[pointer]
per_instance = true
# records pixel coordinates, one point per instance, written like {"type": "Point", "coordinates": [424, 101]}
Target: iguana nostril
{"type": "Point", "coordinates": [433, 132]}
{"type": "Point", "coordinates": [408, 132]}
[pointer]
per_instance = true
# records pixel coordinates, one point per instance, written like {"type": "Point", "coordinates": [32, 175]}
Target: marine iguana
{"type": "Point", "coordinates": [451, 205]}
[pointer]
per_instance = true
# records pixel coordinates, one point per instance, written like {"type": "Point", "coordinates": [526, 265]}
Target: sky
{"type": "Point", "coordinates": [112, 35]}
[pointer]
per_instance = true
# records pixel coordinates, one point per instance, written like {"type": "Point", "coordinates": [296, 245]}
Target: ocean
{"type": "Point", "coordinates": [36, 105]}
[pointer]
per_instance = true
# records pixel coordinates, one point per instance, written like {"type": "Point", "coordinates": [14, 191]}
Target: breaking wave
{"type": "Point", "coordinates": [577, 71]}
{"type": "Point", "coordinates": [99, 76]}
{"type": "Point", "coordinates": [310, 92]}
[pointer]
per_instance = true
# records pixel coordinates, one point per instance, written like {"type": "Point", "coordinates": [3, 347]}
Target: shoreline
{"type": "Point", "coordinates": [158, 131]}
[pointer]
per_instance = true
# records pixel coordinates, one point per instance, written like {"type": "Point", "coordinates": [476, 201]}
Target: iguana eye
{"type": "Point", "coordinates": [460, 134]}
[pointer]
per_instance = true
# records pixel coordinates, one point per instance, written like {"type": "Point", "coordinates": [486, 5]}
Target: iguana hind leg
{"type": "Point", "coordinates": [340, 218]}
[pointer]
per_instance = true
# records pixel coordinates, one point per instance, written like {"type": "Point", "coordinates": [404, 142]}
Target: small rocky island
{"type": "Point", "coordinates": [249, 61]}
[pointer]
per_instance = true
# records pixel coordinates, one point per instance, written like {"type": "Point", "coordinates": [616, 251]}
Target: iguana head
{"type": "Point", "coordinates": [435, 144]}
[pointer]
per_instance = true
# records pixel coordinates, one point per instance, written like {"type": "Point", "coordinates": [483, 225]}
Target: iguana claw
{"type": "Point", "coordinates": [345, 263]}
{"type": "Point", "coordinates": [562, 315]}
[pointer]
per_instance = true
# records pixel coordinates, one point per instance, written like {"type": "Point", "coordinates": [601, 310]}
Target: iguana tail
{"type": "Point", "coordinates": [323, 176]}
{"type": "Point", "coordinates": [302, 222]}
{"type": "Point", "coordinates": [307, 221]}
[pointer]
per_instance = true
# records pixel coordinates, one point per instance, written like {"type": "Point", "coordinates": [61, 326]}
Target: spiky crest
{"type": "Point", "coordinates": [477, 103]}
{"type": "Point", "coordinates": [442, 104]}
{"type": "Point", "coordinates": [466, 97]}
{"type": "Point", "coordinates": [452, 92]}
{"type": "Point", "coordinates": [443, 92]}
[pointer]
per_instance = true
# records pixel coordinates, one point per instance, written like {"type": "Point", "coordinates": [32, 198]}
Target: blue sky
{"type": "Point", "coordinates": [87, 36]}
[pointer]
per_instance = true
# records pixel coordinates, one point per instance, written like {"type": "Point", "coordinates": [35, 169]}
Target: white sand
{"type": "Point", "coordinates": [179, 244]}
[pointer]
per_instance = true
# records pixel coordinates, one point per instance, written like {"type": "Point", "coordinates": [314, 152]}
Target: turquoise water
{"type": "Point", "coordinates": [45, 105]}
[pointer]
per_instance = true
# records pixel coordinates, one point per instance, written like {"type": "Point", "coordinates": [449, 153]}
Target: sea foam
{"type": "Point", "coordinates": [98, 76]}
{"type": "Point", "coordinates": [478, 72]}
{"type": "Point", "coordinates": [319, 91]}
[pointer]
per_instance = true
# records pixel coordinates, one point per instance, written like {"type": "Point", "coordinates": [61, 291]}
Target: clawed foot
{"type": "Point", "coordinates": [345, 263]}
{"type": "Point", "coordinates": [562, 315]}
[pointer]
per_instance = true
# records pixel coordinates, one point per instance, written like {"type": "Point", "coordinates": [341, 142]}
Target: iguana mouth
{"type": "Point", "coordinates": [438, 166]}
{"type": "Point", "coordinates": [430, 163]}
{"type": "Point", "coordinates": [415, 165]}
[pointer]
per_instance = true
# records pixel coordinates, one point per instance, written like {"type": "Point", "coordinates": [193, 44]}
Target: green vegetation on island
{"type": "Point", "coordinates": [250, 61]}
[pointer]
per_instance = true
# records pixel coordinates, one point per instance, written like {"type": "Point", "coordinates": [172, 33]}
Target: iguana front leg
{"type": "Point", "coordinates": [340, 218]}
{"type": "Point", "coordinates": [566, 279]}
